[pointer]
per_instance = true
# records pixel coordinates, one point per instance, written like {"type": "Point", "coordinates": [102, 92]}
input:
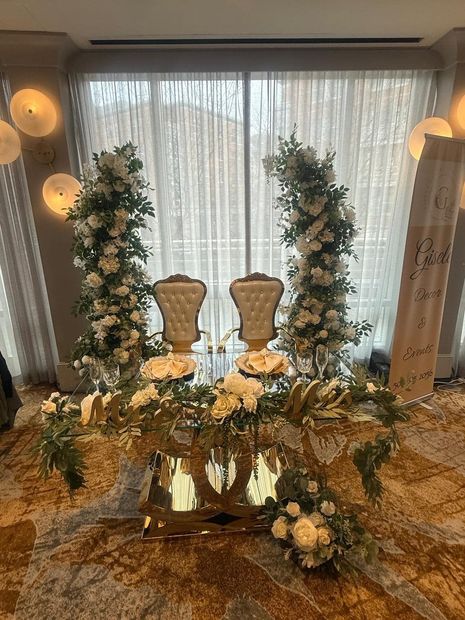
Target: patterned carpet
{"type": "Point", "coordinates": [84, 559]}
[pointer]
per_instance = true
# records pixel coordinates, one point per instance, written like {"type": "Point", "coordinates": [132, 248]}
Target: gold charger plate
{"type": "Point", "coordinates": [243, 363]}
{"type": "Point", "coordinates": [155, 368]}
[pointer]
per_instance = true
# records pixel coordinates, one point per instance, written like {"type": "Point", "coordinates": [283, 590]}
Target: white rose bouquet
{"type": "Point", "coordinates": [310, 526]}
{"type": "Point", "coordinates": [319, 226]}
{"type": "Point", "coordinates": [108, 216]}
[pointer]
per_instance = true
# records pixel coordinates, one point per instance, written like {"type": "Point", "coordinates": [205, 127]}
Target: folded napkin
{"type": "Point", "coordinates": [168, 367]}
{"type": "Point", "coordinates": [266, 361]}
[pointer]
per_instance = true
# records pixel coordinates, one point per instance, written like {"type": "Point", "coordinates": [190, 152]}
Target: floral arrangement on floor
{"type": "Point", "coordinates": [226, 414]}
{"type": "Point", "coordinates": [319, 226]}
{"type": "Point", "coordinates": [108, 215]}
{"type": "Point", "coordinates": [308, 522]}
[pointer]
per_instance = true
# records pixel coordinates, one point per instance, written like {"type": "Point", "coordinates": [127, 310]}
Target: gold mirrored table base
{"type": "Point", "coordinates": [185, 494]}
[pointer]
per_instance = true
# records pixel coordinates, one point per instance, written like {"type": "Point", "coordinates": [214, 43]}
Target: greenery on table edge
{"type": "Point", "coordinates": [146, 407]}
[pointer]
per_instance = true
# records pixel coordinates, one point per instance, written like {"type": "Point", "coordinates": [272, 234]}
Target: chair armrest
{"type": "Point", "coordinates": [225, 339]}
{"type": "Point", "coordinates": [208, 336]}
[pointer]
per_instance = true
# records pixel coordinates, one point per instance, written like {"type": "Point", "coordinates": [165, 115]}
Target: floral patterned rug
{"type": "Point", "coordinates": [84, 558]}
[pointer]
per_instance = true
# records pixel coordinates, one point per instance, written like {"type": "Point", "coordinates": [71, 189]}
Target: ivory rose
{"type": "Point", "coordinates": [327, 508]}
{"type": "Point", "coordinates": [305, 534]}
{"type": "Point", "coordinates": [324, 536]}
{"type": "Point", "coordinates": [222, 407]}
{"type": "Point", "coordinates": [293, 509]}
{"type": "Point", "coordinates": [279, 528]}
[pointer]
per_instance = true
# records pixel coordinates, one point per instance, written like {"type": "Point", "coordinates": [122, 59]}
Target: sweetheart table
{"type": "Point", "coordinates": [183, 491]}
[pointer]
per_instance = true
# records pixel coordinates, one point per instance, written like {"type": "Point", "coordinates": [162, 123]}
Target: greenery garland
{"type": "Point", "coordinates": [229, 412]}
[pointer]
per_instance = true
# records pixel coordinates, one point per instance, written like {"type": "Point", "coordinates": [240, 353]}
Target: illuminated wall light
{"type": "Point", "coordinates": [461, 112]}
{"type": "Point", "coordinates": [59, 192]}
{"type": "Point", "coordinates": [10, 145]}
{"type": "Point", "coordinates": [435, 125]}
{"type": "Point", "coordinates": [33, 112]}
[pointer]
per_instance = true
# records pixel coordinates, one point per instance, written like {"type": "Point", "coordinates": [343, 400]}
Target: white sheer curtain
{"type": "Point", "coordinates": [190, 133]}
{"type": "Point", "coordinates": [26, 336]}
{"type": "Point", "coordinates": [366, 117]}
{"type": "Point", "coordinates": [190, 129]}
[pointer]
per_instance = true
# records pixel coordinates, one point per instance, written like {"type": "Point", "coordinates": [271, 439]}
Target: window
{"type": "Point", "coordinates": [202, 138]}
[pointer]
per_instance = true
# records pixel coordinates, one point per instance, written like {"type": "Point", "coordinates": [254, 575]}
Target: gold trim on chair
{"type": "Point", "coordinates": [179, 299]}
{"type": "Point", "coordinates": [257, 306]}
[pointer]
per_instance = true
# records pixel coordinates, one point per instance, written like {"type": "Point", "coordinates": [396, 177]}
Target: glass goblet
{"type": "Point", "coordinates": [111, 374]}
{"type": "Point", "coordinates": [321, 359]}
{"type": "Point", "coordinates": [304, 364]}
{"type": "Point", "coordinates": [95, 372]}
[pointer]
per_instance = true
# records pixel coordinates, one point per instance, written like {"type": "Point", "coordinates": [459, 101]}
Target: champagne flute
{"type": "Point", "coordinates": [321, 359]}
{"type": "Point", "coordinates": [95, 372]}
{"type": "Point", "coordinates": [304, 364]}
{"type": "Point", "coordinates": [111, 374]}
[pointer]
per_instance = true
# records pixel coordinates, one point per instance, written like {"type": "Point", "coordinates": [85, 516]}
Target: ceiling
{"type": "Point", "coordinates": [96, 19]}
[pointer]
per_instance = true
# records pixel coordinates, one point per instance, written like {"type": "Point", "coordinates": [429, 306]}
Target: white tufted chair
{"type": "Point", "coordinates": [256, 297]}
{"type": "Point", "coordinates": [180, 299]}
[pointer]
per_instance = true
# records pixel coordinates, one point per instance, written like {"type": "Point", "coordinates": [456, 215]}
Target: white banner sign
{"type": "Point", "coordinates": [428, 248]}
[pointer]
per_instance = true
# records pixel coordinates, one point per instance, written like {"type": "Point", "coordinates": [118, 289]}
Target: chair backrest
{"type": "Point", "coordinates": [257, 297]}
{"type": "Point", "coordinates": [180, 299]}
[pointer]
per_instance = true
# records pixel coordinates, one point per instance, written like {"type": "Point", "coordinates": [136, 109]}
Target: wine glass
{"type": "Point", "coordinates": [321, 359]}
{"type": "Point", "coordinates": [95, 373]}
{"type": "Point", "coordinates": [111, 374]}
{"type": "Point", "coordinates": [304, 364]}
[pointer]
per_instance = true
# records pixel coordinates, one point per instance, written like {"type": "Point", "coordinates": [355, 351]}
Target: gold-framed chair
{"type": "Point", "coordinates": [179, 299]}
{"type": "Point", "coordinates": [256, 297]}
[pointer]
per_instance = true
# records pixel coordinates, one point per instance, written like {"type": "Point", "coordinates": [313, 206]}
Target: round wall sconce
{"type": "Point", "coordinates": [10, 145]}
{"type": "Point", "coordinates": [33, 112]}
{"type": "Point", "coordinates": [59, 192]}
{"type": "Point", "coordinates": [434, 125]}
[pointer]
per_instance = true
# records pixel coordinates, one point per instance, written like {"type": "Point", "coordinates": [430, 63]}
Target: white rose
{"type": "Point", "coordinates": [305, 534]}
{"type": "Point", "coordinates": [86, 360]}
{"type": "Point", "coordinates": [94, 280]}
{"type": "Point", "coordinates": [312, 486]}
{"type": "Point", "coordinates": [254, 387]}
{"type": "Point", "coordinates": [293, 509]}
{"type": "Point", "coordinates": [317, 519]}
{"type": "Point", "coordinates": [279, 528]}
{"type": "Point", "coordinates": [94, 221]}
{"type": "Point", "coordinates": [77, 364]}
{"type": "Point", "coordinates": [122, 291]}
{"type": "Point", "coordinates": [327, 508]}
{"type": "Point", "coordinates": [250, 403]}
{"type": "Point", "coordinates": [324, 536]}
{"type": "Point", "coordinates": [223, 406]}
{"type": "Point", "coordinates": [236, 383]}
{"type": "Point", "coordinates": [315, 245]}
